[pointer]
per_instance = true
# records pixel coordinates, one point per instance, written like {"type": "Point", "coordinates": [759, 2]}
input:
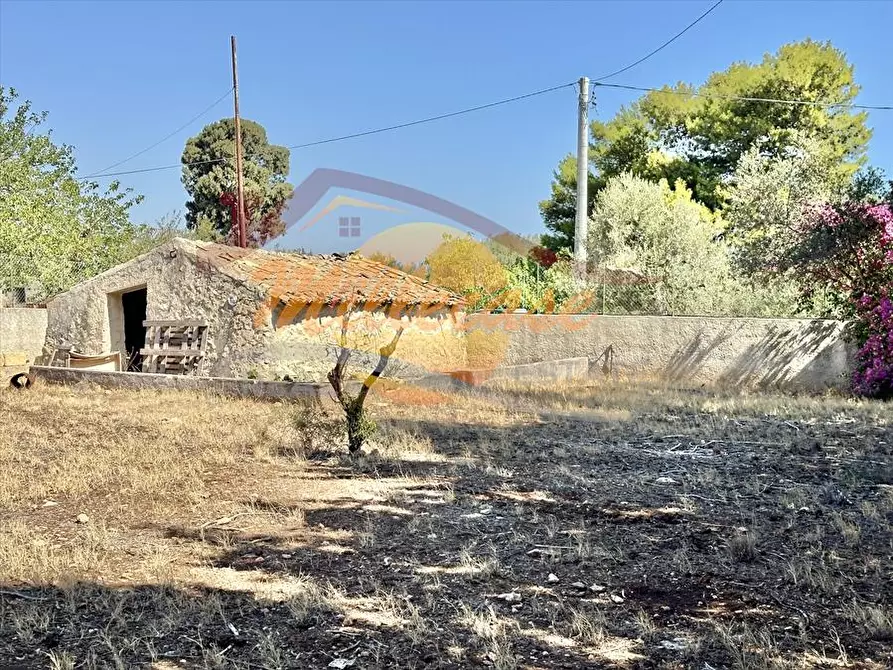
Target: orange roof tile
{"type": "Point", "coordinates": [330, 279]}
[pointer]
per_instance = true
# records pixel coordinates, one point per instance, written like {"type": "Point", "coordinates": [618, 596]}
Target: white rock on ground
{"type": "Point", "coordinates": [510, 597]}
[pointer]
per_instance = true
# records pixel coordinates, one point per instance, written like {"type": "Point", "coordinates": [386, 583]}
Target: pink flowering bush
{"type": "Point", "coordinates": [874, 373]}
{"type": "Point", "coordinates": [847, 250]}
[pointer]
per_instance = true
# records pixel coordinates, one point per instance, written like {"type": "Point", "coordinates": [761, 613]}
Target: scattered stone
{"type": "Point", "coordinates": [49, 503]}
{"type": "Point", "coordinates": [597, 588]}
{"type": "Point", "coordinates": [665, 480]}
{"type": "Point", "coordinates": [676, 644]}
{"type": "Point", "coordinates": [510, 597]}
{"type": "Point", "coordinates": [82, 518]}
{"type": "Point", "coordinates": [615, 598]}
{"type": "Point", "coordinates": [341, 663]}
{"type": "Point", "coordinates": [552, 578]}
{"type": "Point", "coordinates": [286, 556]}
{"type": "Point", "coordinates": [579, 585]}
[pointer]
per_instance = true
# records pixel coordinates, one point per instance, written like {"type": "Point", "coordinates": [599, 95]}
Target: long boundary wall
{"type": "Point", "coordinates": [788, 354]}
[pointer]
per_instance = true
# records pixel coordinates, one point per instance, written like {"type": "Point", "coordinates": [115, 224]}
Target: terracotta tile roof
{"type": "Point", "coordinates": [330, 279]}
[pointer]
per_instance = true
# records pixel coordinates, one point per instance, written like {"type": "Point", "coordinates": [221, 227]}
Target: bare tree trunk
{"type": "Point", "coordinates": [358, 426]}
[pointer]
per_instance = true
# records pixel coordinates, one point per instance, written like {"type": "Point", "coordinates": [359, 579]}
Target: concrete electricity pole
{"type": "Point", "coordinates": [242, 237]}
{"type": "Point", "coordinates": [580, 229]}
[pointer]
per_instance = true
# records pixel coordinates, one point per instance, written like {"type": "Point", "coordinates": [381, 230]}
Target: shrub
{"type": "Point", "coordinates": [846, 250]}
{"type": "Point", "coordinates": [873, 376]}
{"type": "Point", "coordinates": [316, 426]}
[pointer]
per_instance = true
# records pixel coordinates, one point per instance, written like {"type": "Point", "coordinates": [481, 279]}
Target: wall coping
{"type": "Point", "coordinates": [798, 319]}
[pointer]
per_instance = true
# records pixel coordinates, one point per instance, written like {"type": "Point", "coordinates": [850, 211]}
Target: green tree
{"type": "Point", "coordinates": [768, 201]}
{"type": "Point", "coordinates": [674, 242]}
{"type": "Point", "coordinates": [699, 134]}
{"type": "Point", "coordinates": [55, 230]}
{"type": "Point", "coordinates": [662, 233]}
{"type": "Point", "coordinates": [209, 176]}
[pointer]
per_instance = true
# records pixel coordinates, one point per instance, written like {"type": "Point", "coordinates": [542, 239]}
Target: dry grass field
{"type": "Point", "coordinates": [590, 527]}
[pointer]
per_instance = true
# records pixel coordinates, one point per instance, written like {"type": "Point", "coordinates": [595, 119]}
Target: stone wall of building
{"type": "Point", "coordinates": [306, 348]}
{"type": "Point", "coordinates": [178, 288]}
{"type": "Point", "coordinates": [243, 339]}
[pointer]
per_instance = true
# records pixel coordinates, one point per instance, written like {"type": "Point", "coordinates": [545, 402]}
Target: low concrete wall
{"type": "Point", "coordinates": [788, 354]}
{"type": "Point", "coordinates": [22, 336]}
{"type": "Point", "coordinates": [566, 369]}
{"type": "Point", "coordinates": [239, 388]}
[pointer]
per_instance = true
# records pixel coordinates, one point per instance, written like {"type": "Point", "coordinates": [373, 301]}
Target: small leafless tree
{"type": "Point", "coordinates": [359, 426]}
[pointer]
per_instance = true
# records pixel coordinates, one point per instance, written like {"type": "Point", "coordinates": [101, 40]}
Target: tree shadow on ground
{"type": "Point", "coordinates": [448, 562]}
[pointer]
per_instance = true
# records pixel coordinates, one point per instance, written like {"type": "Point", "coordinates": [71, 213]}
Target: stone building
{"type": "Point", "coordinates": [268, 314]}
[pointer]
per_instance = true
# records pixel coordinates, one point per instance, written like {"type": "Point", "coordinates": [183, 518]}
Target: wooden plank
{"type": "Point", "coordinates": [203, 338]}
{"type": "Point", "coordinates": [151, 360]}
{"type": "Point", "coordinates": [174, 324]}
{"type": "Point", "coordinates": [100, 358]}
{"type": "Point", "coordinates": [202, 344]}
{"type": "Point", "coordinates": [173, 353]}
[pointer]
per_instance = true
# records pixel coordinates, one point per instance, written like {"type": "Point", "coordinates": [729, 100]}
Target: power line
{"type": "Point", "coordinates": [351, 136]}
{"type": "Point", "coordinates": [662, 46]}
{"type": "Point", "coordinates": [154, 169]}
{"type": "Point", "coordinates": [435, 118]}
{"type": "Point", "coordinates": [740, 98]}
{"type": "Point", "coordinates": [164, 139]}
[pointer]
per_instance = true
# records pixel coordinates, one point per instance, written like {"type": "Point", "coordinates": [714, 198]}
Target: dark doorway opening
{"type": "Point", "coordinates": [133, 304]}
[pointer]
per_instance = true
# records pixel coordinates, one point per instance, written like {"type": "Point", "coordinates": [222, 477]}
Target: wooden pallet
{"type": "Point", "coordinates": [174, 347]}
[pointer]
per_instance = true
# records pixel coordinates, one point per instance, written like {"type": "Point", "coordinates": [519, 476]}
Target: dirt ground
{"type": "Point", "coordinates": [575, 527]}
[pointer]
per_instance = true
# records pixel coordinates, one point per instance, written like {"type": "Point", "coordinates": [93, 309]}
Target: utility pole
{"type": "Point", "coordinates": [241, 235]}
{"type": "Point", "coordinates": [580, 229]}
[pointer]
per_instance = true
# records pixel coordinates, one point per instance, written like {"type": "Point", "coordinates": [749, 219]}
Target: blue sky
{"type": "Point", "coordinates": [116, 77]}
